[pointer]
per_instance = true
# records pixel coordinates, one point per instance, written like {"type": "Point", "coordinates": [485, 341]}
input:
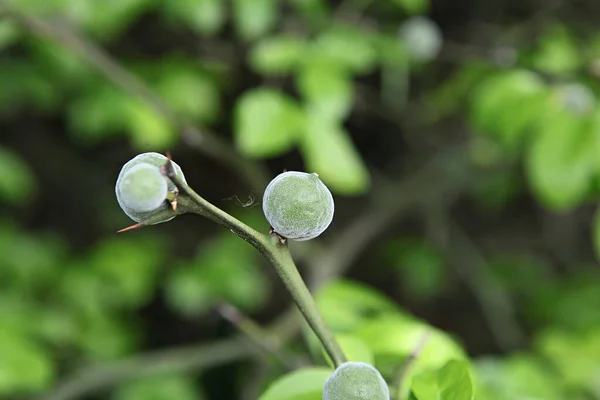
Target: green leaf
{"type": "Point", "coordinates": [226, 269]}
{"type": "Point", "coordinates": [9, 33]}
{"type": "Point", "coordinates": [354, 349]}
{"type": "Point", "coordinates": [303, 384]}
{"type": "Point", "coordinates": [451, 382]}
{"type": "Point", "coordinates": [421, 267]}
{"type": "Point", "coordinates": [17, 183]}
{"type": "Point", "coordinates": [205, 17]}
{"type": "Point", "coordinates": [161, 387]}
{"type": "Point", "coordinates": [346, 304]}
{"type": "Point", "coordinates": [519, 376]}
{"type": "Point", "coordinates": [24, 366]}
{"type": "Point", "coordinates": [98, 114]}
{"type": "Point", "coordinates": [187, 293]}
{"type": "Point", "coordinates": [562, 159]}
{"type": "Point", "coordinates": [267, 123]}
{"type": "Point", "coordinates": [508, 105]}
{"type": "Point", "coordinates": [128, 268]}
{"type": "Point", "coordinates": [345, 48]}
{"type": "Point", "coordinates": [413, 7]}
{"type": "Point", "coordinates": [328, 151]}
{"type": "Point", "coordinates": [104, 337]}
{"type": "Point", "coordinates": [277, 55]}
{"type": "Point", "coordinates": [188, 90]}
{"type": "Point", "coordinates": [254, 18]}
{"type": "Point", "coordinates": [574, 355]}
{"type": "Point", "coordinates": [557, 53]}
{"type": "Point", "coordinates": [394, 337]}
{"type": "Point", "coordinates": [327, 89]}
{"type": "Point", "coordinates": [107, 20]}
{"type": "Point", "coordinates": [148, 130]}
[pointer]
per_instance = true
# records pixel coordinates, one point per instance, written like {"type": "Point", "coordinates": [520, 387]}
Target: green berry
{"type": "Point", "coordinates": [356, 381]}
{"type": "Point", "coordinates": [298, 205]}
{"type": "Point", "coordinates": [142, 189]}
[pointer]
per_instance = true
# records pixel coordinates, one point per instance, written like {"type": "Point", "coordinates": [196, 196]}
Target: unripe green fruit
{"type": "Point", "coordinates": [356, 381]}
{"type": "Point", "coordinates": [142, 189]}
{"type": "Point", "coordinates": [298, 205]}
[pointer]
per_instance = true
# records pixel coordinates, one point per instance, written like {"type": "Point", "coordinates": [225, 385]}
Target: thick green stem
{"type": "Point", "coordinates": [276, 253]}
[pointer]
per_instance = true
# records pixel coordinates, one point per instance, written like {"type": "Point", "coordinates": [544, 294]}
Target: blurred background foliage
{"type": "Point", "coordinates": [460, 139]}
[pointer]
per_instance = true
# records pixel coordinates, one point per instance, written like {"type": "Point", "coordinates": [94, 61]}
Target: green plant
{"type": "Point", "coordinates": [356, 381]}
{"type": "Point", "coordinates": [298, 205]}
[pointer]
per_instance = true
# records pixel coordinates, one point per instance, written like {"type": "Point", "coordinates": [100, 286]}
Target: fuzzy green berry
{"type": "Point", "coordinates": [298, 205]}
{"type": "Point", "coordinates": [142, 188]}
{"type": "Point", "coordinates": [356, 381]}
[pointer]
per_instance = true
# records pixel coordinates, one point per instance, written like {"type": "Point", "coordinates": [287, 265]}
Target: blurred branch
{"type": "Point", "coordinates": [203, 140]}
{"type": "Point", "coordinates": [496, 304]}
{"type": "Point", "coordinates": [261, 337]}
{"type": "Point", "coordinates": [402, 372]}
{"type": "Point", "coordinates": [182, 360]}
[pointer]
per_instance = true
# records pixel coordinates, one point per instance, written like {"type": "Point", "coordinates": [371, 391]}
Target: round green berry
{"type": "Point", "coordinates": [298, 205]}
{"type": "Point", "coordinates": [142, 189]}
{"type": "Point", "coordinates": [356, 381]}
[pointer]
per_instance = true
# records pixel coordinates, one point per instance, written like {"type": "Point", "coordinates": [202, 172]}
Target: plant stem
{"type": "Point", "coordinates": [276, 253]}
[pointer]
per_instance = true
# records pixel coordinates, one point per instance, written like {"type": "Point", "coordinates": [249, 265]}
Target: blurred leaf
{"type": "Point", "coordinates": [557, 52]}
{"type": "Point", "coordinates": [9, 33]}
{"type": "Point", "coordinates": [327, 90]}
{"type": "Point", "coordinates": [519, 376]}
{"type": "Point", "coordinates": [106, 337]}
{"type": "Point", "coordinates": [561, 161]}
{"type": "Point", "coordinates": [162, 387]}
{"type": "Point", "coordinates": [17, 182]}
{"type": "Point", "coordinates": [98, 114]}
{"type": "Point", "coordinates": [328, 150]}
{"type": "Point", "coordinates": [109, 19]}
{"type": "Point", "coordinates": [224, 269]}
{"type": "Point", "coordinates": [346, 48]}
{"type": "Point", "coordinates": [413, 6]}
{"type": "Point", "coordinates": [353, 348]}
{"type": "Point", "coordinates": [302, 384]}
{"type": "Point", "coordinates": [575, 356]}
{"type": "Point", "coordinates": [23, 84]}
{"type": "Point", "coordinates": [148, 130]}
{"type": "Point", "coordinates": [393, 338]}
{"type": "Point", "coordinates": [267, 123]}
{"type": "Point", "coordinates": [422, 268]}
{"type": "Point", "coordinates": [187, 293]}
{"type": "Point", "coordinates": [205, 17]}
{"type": "Point", "coordinates": [346, 304]}
{"type": "Point", "coordinates": [128, 267]}
{"type": "Point", "coordinates": [187, 90]}
{"type": "Point", "coordinates": [277, 55]}
{"type": "Point", "coordinates": [63, 65]}
{"type": "Point", "coordinates": [254, 18]}
{"type": "Point", "coordinates": [24, 367]}
{"type": "Point", "coordinates": [390, 51]}
{"type": "Point", "coordinates": [508, 105]}
{"type": "Point", "coordinates": [451, 382]}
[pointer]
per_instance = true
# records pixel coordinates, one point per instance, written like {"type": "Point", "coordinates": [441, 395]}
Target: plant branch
{"type": "Point", "coordinates": [260, 336]}
{"type": "Point", "coordinates": [495, 303]}
{"type": "Point", "coordinates": [203, 140]}
{"type": "Point", "coordinates": [187, 359]}
{"type": "Point", "coordinates": [402, 372]}
{"type": "Point", "coordinates": [276, 253]}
